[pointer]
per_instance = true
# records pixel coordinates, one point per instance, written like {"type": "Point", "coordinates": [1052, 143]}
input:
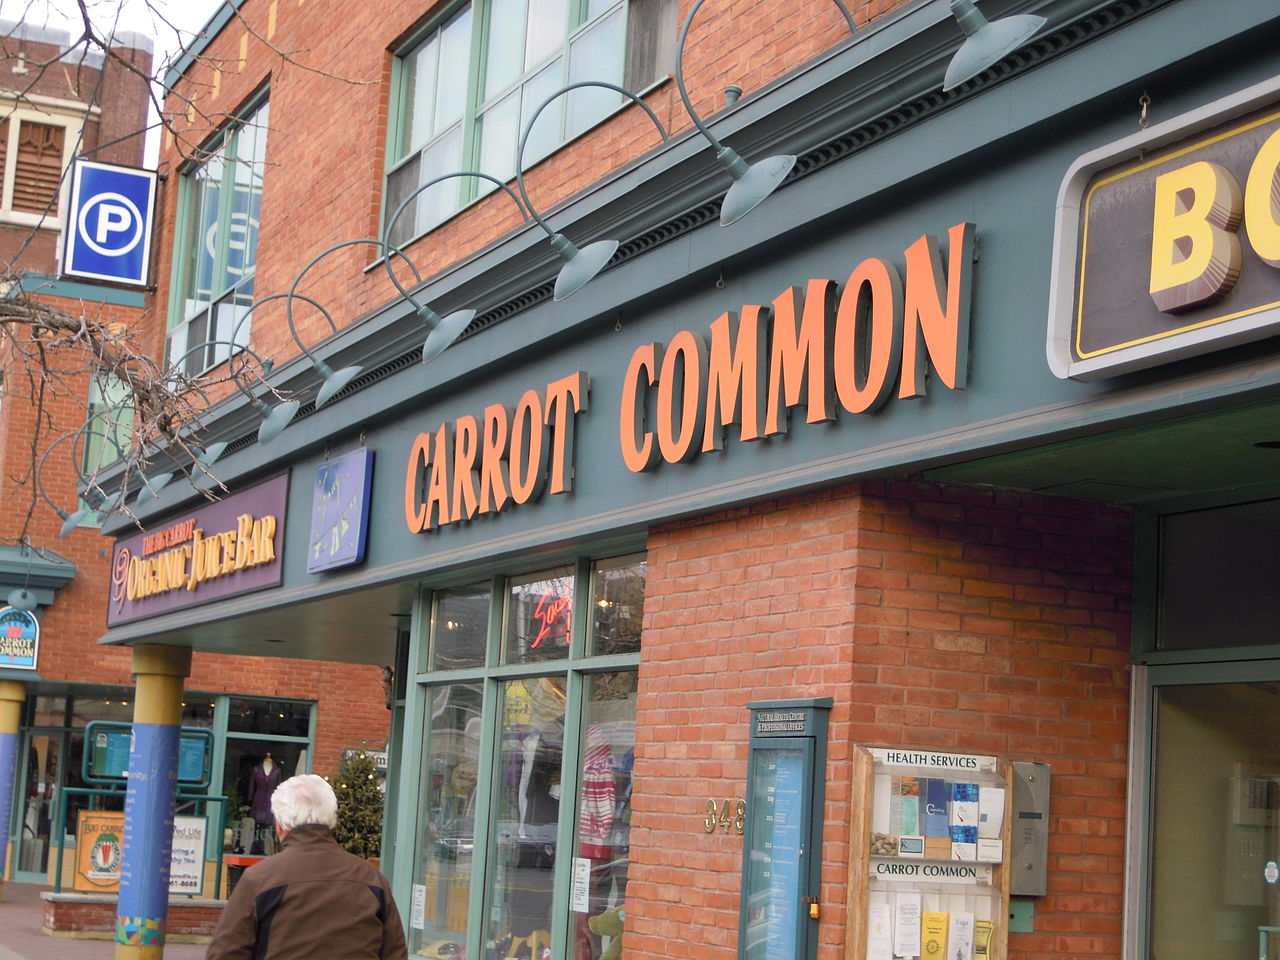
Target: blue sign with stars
{"type": "Point", "coordinates": [340, 511]}
{"type": "Point", "coordinates": [108, 232]}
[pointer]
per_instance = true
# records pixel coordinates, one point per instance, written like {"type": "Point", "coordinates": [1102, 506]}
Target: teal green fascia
{"type": "Point", "coordinates": [43, 284]}
{"type": "Point", "coordinates": [42, 572]}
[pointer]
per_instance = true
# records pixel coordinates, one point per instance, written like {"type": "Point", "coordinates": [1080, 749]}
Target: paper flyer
{"type": "Point", "coordinates": [960, 937]}
{"type": "Point", "coordinates": [906, 925]}
{"type": "Point", "coordinates": [981, 939]}
{"type": "Point", "coordinates": [933, 935]}
{"type": "Point", "coordinates": [879, 931]}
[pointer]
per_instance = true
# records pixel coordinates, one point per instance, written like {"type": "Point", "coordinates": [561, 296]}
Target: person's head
{"type": "Point", "coordinates": [304, 799]}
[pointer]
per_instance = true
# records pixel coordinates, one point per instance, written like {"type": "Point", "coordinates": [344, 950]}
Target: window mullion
{"type": "Point", "coordinates": [226, 204]}
{"type": "Point", "coordinates": [570, 773]}
{"type": "Point", "coordinates": [11, 158]}
{"type": "Point", "coordinates": [487, 775]}
{"type": "Point", "coordinates": [180, 268]}
{"type": "Point", "coordinates": [469, 187]}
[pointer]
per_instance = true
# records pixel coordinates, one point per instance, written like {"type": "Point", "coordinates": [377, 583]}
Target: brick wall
{"type": "Point", "coordinates": [944, 618]}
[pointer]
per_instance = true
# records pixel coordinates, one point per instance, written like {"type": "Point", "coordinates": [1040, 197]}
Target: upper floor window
{"type": "Point", "coordinates": [37, 142]}
{"type": "Point", "coordinates": [467, 89]}
{"type": "Point", "coordinates": [217, 245]}
{"type": "Point", "coordinates": [108, 430]}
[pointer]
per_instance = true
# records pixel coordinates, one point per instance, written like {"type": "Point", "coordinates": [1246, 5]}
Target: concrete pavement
{"type": "Point", "coordinates": [23, 938]}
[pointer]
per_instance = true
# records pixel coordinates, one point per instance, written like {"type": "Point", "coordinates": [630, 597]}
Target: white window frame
{"type": "Point", "coordinates": [50, 111]}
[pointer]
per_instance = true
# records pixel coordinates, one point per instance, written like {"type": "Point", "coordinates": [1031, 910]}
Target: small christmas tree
{"type": "Point", "coordinates": [359, 826]}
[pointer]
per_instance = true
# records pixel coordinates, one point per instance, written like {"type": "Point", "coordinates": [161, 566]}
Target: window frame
{"type": "Point", "coordinates": [221, 145]}
{"type": "Point", "coordinates": [492, 675]}
{"type": "Point", "coordinates": [103, 432]}
{"type": "Point", "coordinates": [48, 111]}
{"type": "Point", "coordinates": [1155, 668]}
{"type": "Point", "coordinates": [472, 189]}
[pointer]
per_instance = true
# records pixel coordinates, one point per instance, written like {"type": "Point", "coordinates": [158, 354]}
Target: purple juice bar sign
{"type": "Point", "coordinates": [227, 548]}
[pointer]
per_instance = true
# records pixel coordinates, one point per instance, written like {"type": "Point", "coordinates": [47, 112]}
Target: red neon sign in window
{"type": "Point", "coordinates": [552, 614]}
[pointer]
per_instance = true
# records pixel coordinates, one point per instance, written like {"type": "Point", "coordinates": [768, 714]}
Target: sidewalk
{"type": "Point", "coordinates": [22, 938]}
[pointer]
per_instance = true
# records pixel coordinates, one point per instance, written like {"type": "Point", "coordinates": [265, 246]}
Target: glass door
{"type": "Point", "coordinates": [1214, 884]}
{"type": "Point", "coordinates": [43, 757]}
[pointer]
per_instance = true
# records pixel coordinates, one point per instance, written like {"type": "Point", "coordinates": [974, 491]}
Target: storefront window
{"type": "Point", "coordinates": [604, 812]}
{"type": "Point", "coordinates": [462, 625]}
{"type": "Point", "coordinates": [618, 605]}
{"type": "Point", "coordinates": [114, 707]}
{"type": "Point", "coordinates": [523, 849]}
{"type": "Point", "coordinates": [536, 748]}
{"type": "Point", "coordinates": [276, 718]}
{"type": "Point", "coordinates": [449, 773]}
{"type": "Point", "coordinates": [539, 617]}
{"type": "Point", "coordinates": [1216, 820]}
{"type": "Point", "coordinates": [268, 741]}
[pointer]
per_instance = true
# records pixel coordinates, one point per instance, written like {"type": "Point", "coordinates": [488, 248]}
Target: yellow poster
{"type": "Point", "coordinates": [99, 841]}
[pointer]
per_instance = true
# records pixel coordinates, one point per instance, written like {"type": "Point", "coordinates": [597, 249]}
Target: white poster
{"type": "Point", "coordinates": [580, 896]}
{"type": "Point", "coordinates": [186, 865]}
{"type": "Point", "coordinates": [418, 909]}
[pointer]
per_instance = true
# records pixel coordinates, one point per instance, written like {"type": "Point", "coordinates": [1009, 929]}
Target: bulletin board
{"type": "Point", "coordinates": [931, 878]}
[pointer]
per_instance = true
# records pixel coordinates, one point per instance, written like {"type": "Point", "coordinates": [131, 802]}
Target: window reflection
{"type": "Point", "coordinates": [527, 811]}
{"type": "Point", "coordinates": [450, 767]}
{"type": "Point", "coordinates": [604, 812]}
{"type": "Point", "coordinates": [1215, 819]}
{"type": "Point", "coordinates": [461, 624]}
{"type": "Point", "coordinates": [539, 616]}
{"type": "Point", "coordinates": [617, 605]}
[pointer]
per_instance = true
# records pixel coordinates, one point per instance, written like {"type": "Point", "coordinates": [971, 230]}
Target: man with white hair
{"type": "Point", "coordinates": [312, 900]}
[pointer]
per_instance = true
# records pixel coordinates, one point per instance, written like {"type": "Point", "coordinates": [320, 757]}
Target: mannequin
{"type": "Point", "coordinates": [263, 780]}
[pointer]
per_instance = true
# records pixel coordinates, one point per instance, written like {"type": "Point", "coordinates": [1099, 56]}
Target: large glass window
{"type": "Point", "coordinates": [1215, 821]}
{"type": "Point", "coordinates": [1208, 555]}
{"type": "Point", "coordinates": [469, 87]}
{"type": "Point", "coordinates": [529, 740]}
{"type": "Point", "coordinates": [1209, 715]}
{"type": "Point", "coordinates": [217, 245]}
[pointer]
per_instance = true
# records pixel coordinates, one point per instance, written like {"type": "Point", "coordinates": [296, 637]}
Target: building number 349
{"type": "Point", "coordinates": [731, 816]}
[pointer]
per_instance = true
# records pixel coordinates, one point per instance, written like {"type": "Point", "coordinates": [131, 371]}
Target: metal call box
{"type": "Point", "coordinates": [781, 857]}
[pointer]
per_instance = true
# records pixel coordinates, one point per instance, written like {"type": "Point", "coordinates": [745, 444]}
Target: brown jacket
{"type": "Point", "coordinates": [310, 901]}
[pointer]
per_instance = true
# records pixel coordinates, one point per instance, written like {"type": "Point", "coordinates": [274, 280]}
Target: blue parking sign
{"type": "Point", "coordinates": [108, 234]}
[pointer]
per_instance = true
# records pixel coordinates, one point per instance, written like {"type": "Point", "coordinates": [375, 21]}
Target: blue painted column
{"type": "Point", "coordinates": [13, 694]}
{"type": "Point", "coordinates": [143, 908]}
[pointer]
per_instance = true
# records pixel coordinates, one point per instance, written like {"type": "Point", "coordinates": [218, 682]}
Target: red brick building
{"type": "Point", "coordinates": [949, 467]}
{"type": "Point", "coordinates": [61, 103]}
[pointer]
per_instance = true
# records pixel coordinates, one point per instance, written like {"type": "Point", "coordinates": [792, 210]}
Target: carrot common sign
{"type": "Point", "coordinates": [817, 354]}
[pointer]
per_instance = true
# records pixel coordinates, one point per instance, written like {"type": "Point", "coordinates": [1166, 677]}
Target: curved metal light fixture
{"type": "Point", "coordinates": [580, 266]}
{"type": "Point", "coordinates": [752, 183]}
{"type": "Point", "coordinates": [334, 380]}
{"type": "Point", "coordinates": [443, 330]}
{"type": "Point", "coordinates": [987, 42]}
{"type": "Point", "coordinates": [21, 598]}
{"type": "Point", "coordinates": [70, 519]}
{"type": "Point", "coordinates": [274, 419]}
